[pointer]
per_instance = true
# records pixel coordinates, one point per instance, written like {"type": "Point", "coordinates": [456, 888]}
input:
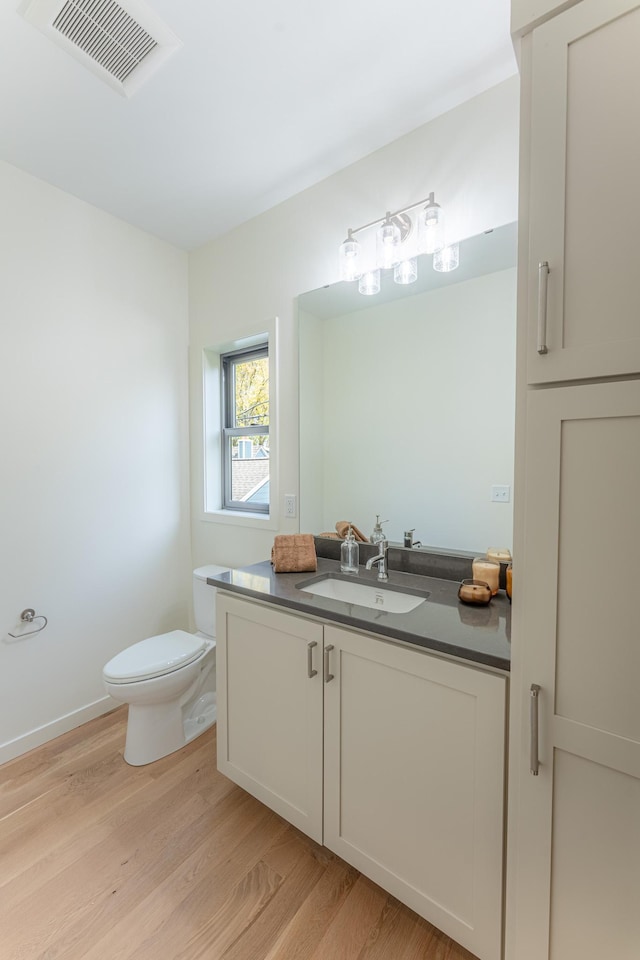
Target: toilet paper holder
{"type": "Point", "coordinates": [29, 616]}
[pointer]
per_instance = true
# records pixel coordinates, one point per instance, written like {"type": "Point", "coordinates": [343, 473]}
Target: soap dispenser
{"type": "Point", "coordinates": [349, 553]}
{"type": "Point", "coordinates": [378, 533]}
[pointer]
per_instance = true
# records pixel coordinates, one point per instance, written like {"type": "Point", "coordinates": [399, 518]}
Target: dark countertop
{"type": "Point", "coordinates": [478, 634]}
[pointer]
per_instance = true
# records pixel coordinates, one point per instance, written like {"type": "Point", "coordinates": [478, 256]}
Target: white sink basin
{"type": "Point", "coordinates": [387, 598]}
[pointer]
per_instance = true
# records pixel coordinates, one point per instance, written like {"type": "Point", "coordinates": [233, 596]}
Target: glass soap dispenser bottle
{"type": "Point", "coordinates": [349, 553]}
{"type": "Point", "coordinates": [378, 533]}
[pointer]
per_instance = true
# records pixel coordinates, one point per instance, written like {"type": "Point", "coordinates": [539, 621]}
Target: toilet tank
{"type": "Point", "coordinates": [204, 598]}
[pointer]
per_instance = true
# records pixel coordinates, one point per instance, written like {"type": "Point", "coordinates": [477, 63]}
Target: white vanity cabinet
{"type": "Point", "coordinates": [581, 81]}
{"type": "Point", "coordinates": [414, 754]}
{"type": "Point", "coordinates": [414, 781]}
{"type": "Point", "coordinates": [269, 690]}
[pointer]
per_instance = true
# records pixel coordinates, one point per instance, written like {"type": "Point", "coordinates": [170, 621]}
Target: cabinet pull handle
{"type": "Point", "coordinates": [310, 671]}
{"type": "Point", "coordinates": [533, 715]}
{"type": "Point", "coordinates": [327, 650]}
{"type": "Point", "coordinates": [543, 276]}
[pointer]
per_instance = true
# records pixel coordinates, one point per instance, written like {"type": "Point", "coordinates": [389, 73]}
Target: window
{"type": "Point", "coordinates": [245, 429]}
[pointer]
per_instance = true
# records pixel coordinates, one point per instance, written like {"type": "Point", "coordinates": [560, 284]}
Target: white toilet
{"type": "Point", "coordinates": [169, 681]}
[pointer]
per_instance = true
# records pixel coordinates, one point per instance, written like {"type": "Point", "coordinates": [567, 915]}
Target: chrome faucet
{"type": "Point", "coordinates": [408, 539]}
{"type": "Point", "coordinates": [380, 560]}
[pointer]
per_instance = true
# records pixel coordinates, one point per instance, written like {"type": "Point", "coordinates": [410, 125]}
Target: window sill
{"type": "Point", "coordinates": [241, 518]}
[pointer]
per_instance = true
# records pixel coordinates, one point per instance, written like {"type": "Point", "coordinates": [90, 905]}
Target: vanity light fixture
{"type": "Point", "coordinates": [388, 243]}
{"type": "Point", "coordinates": [432, 227]}
{"type": "Point", "coordinates": [406, 271]}
{"type": "Point", "coordinates": [350, 258]}
{"type": "Point", "coordinates": [369, 283]}
{"type": "Point", "coordinates": [426, 226]}
{"type": "Point", "coordinates": [447, 259]}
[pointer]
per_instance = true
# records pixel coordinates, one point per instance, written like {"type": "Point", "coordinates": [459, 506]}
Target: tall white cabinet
{"type": "Point", "coordinates": [584, 85]}
{"type": "Point", "coordinates": [573, 885]}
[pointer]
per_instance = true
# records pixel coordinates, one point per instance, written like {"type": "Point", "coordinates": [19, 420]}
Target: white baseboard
{"type": "Point", "coordinates": [35, 738]}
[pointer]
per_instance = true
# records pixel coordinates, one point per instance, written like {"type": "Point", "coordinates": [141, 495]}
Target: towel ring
{"type": "Point", "coordinates": [28, 616]}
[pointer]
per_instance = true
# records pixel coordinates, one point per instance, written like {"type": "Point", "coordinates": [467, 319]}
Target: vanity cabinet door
{"type": "Point", "coordinates": [574, 889]}
{"type": "Point", "coordinates": [270, 708]}
{"type": "Point", "coordinates": [583, 196]}
{"type": "Point", "coordinates": [414, 781]}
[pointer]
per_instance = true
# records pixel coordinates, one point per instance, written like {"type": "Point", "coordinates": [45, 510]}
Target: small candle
{"type": "Point", "coordinates": [501, 554]}
{"type": "Point", "coordinates": [509, 581]}
{"type": "Point", "coordinates": [474, 591]}
{"type": "Point", "coordinates": [487, 570]}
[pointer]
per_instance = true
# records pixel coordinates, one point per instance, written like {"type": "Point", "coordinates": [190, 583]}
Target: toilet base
{"type": "Point", "coordinates": [202, 715]}
{"type": "Point", "coordinates": [154, 732]}
{"type": "Point", "coordinates": [160, 722]}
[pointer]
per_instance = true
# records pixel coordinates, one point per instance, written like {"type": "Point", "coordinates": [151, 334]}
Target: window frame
{"type": "Point", "coordinates": [228, 361]}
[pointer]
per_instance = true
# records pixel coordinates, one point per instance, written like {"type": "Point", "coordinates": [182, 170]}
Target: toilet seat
{"type": "Point", "coordinates": [155, 657]}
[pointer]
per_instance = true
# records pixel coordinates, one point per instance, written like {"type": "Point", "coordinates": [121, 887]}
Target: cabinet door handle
{"type": "Point", "coordinates": [533, 717]}
{"type": "Point", "coordinates": [327, 650]}
{"type": "Point", "coordinates": [310, 671]}
{"type": "Point", "coordinates": [543, 277]}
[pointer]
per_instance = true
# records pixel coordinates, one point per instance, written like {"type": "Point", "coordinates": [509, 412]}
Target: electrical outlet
{"type": "Point", "coordinates": [501, 493]}
{"type": "Point", "coordinates": [290, 505]}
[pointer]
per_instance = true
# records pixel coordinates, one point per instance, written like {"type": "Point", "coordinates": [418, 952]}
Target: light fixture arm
{"type": "Point", "coordinates": [390, 215]}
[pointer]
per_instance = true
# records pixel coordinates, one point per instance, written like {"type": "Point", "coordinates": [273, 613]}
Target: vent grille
{"type": "Point", "coordinates": [104, 31]}
{"type": "Point", "coordinates": [123, 42]}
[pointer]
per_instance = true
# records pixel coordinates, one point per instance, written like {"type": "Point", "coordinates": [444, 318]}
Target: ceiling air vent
{"type": "Point", "coordinates": [123, 43]}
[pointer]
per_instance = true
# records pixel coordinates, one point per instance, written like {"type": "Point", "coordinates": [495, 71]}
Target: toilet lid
{"type": "Point", "coordinates": [154, 657]}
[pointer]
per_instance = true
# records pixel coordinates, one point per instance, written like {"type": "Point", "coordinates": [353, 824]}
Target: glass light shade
{"type": "Point", "coordinates": [387, 244]}
{"type": "Point", "coordinates": [349, 254]}
{"type": "Point", "coordinates": [406, 271]}
{"type": "Point", "coordinates": [447, 259]}
{"type": "Point", "coordinates": [369, 283]}
{"type": "Point", "coordinates": [432, 228]}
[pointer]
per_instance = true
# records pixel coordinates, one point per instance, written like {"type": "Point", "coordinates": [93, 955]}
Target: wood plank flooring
{"type": "Point", "coordinates": [172, 861]}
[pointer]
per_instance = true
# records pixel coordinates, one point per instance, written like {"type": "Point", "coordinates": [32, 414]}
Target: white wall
{"type": "Point", "coordinates": [93, 438]}
{"type": "Point", "coordinates": [468, 156]}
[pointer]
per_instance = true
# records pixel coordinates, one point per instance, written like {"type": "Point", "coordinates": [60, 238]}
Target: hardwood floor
{"type": "Point", "coordinates": [172, 861]}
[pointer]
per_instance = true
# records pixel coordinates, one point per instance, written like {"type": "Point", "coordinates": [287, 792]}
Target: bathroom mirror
{"type": "Point", "coordinates": [407, 401]}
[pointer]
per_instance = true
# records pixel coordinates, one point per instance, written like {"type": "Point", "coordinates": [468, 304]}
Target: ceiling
{"type": "Point", "coordinates": [262, 100]}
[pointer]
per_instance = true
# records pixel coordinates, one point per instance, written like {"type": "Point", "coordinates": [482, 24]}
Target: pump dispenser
{"type": "Point", "coordinates": [378, 533]}
{"type": "Point", "coordinates": [349, 553]}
